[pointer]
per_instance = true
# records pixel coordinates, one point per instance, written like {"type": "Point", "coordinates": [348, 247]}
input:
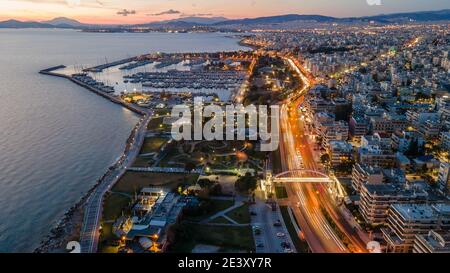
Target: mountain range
{"type": "Point", "coordinates": [62, 22]}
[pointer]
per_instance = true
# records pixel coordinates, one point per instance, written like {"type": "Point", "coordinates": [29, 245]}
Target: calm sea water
{"type": "Point", "coordinates": [56, 138]}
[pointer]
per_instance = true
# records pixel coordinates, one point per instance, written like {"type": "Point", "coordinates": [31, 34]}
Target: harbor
{"type": "Point", "coordinates": [199, 76]}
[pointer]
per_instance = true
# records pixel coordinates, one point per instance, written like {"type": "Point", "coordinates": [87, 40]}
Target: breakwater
{"type": "Point", "coordinates": [133, 108]}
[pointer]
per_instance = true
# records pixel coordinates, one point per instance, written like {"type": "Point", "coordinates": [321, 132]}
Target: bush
{"type": "Point", "coordinates": [246, 183]}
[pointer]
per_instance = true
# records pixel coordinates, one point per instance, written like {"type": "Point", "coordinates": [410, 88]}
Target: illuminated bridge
{"type": "Point", "coordinates": [301, 176]}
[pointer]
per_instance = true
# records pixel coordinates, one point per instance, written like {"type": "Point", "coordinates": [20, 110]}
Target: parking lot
{"type": "Point", "coordinates": [269, 230]}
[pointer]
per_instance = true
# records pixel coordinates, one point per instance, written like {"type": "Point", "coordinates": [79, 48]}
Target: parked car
{"type": "Point", "coordinates": [288, 250]}
{"type": "Point", "coordinates": [285, 245]}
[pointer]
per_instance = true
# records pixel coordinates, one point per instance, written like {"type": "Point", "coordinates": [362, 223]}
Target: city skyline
{"type": "Point", "coordinates": [138, 11]}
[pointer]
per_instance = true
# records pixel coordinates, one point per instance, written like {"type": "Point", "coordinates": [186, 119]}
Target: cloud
{"type": "Point", "coordinates": [126, 12]}
{"type": "Point", "coordinates": [170, 11]}
{"type": "Point", "coordinates": [70, 3]}
{"type": "Point", "coordinates": [196, 15]}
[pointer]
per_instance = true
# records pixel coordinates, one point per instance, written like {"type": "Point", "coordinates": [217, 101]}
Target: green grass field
{"type": "Point", "coordinates": [113, 206]}
{"type": "Point", "coordinates": [241, 215]}
{"type": "Point", "coordinates": [132, 182]}
{"type": "Point", "coordinates": [214, 207]}
{"type": "Point", "coordinates": [220, 220]}
{"type": "Point", "coordinates": [156, 124]}
{"type": "Point", "coordinates": [280, 192]}
{"type": "Point", "coordinates": [227, 237]}
{"type": "Point", "coordinates": [152, 144]}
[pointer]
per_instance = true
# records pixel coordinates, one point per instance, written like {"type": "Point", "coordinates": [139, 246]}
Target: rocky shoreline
{"type": "Point", "coordinates": [68, 228]}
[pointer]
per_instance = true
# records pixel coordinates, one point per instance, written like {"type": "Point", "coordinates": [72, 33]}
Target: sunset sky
{"type": "Point", "coordinates": [139, 11]}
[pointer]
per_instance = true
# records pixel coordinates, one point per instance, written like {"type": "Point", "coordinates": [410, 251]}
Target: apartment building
{"type": "Point", "coordinates": [405, 221]}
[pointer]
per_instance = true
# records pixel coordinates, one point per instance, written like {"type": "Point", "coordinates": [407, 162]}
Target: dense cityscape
{"type": "Point", "coordinates": [363, 163]}
{"type": "Point", "coordinates": [359, 125]}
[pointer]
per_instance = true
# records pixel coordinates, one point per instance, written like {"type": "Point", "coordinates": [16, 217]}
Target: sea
{"type": "Point", "coordinates": [56, 138]}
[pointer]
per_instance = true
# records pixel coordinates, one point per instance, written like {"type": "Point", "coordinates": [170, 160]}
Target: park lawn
{"type": "Point", "coordinates": [225, 237]}
{"type": "Point", "coordinates": [106, 237]}
{"type": "Point", "coordinates": [276, 161]}
{"type": "Point", "coordinates": [300, 245]}
{"type": "Point", "coordinates": [132, 182]}
{"type": "Point", "coordinates": [214, 207]}
{"type": "Point", "coordinates": [162, 112]}
{"type": "Point", "coordinates": [219, 205]}
{"type": "Point", "coordinates": [280, 192]}
{"type": "Point", "coordinates": [113, 205]}
{"type": "Point", "coordinates": [220, 220]}
{"type": "Point", "coordinates": [152, 144]}
{"type": "Point", "coordinates": [157, 124]}
{"type": "Point", "coordinates": [164, 162]}
{"type": "Point", "coordinates": [241, 215]}
{"type": "Point", "coordinates": [141, 162]}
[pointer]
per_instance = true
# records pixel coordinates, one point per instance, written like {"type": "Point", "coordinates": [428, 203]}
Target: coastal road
{"type": "Point", "coordinates": [91, 222]}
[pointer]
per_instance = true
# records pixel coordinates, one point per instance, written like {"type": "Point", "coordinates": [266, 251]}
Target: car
{"type": "Point", "coordinates": [288, 250]}
{"type": "Point", "coordinates": [280, 234]}
{"type": "Point", "coordinates": [256, 230]}
{"type": "Point", "coordinates": [277, 223]}
{"type": "Point", "coordinates": [285, 245]}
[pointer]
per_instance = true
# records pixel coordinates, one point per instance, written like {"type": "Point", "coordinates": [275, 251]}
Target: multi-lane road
{"type": "Point", "coordinates": [311, 202]}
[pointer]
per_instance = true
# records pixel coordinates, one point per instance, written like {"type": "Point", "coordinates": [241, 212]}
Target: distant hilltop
{"type": "Point", "coordinates": [220, 22]}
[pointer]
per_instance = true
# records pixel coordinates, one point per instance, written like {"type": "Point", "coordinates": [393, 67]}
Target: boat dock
{"type": "Point", "coordinates": [100, 68]}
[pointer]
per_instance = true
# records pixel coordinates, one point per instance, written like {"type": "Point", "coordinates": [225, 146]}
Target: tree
{"type": "Point", "coordinates": [246, 183]}
{"type": "Point", "coordinates": [325, 158]}
{"type": "Point", "coordinates": [414, 149]}
{"type": "Point", "coordinates": [189, 166]}
{"type": "Point", "coordinates": [204, 183]}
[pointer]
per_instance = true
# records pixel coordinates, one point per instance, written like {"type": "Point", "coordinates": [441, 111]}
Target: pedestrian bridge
{"type": "Point", "coordinates": [301, 176]}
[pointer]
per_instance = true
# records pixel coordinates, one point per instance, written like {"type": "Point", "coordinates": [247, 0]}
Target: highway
{"type": "Point", "coordinates": [310, 201]}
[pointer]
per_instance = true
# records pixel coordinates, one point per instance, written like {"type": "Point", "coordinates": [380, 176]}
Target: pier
{"type": "Point", "coordinates": [131, 107]}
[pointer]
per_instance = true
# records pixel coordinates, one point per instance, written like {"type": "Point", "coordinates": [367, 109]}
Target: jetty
{"type": "Point", "coordinates": [93, 88]}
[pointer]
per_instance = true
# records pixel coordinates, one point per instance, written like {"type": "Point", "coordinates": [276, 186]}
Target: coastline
{"type": "Point", "coordinates": [251, 46]}
{"type": "Point", "coordinates": [68, 228]}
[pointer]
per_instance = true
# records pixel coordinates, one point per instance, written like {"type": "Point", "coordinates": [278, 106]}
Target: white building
{"type": "Point", "coordinates": [444, 179]}
{"type": "Point", "coordinates": [363, 174]}
{"type": "Point", "coordinates": [340, 152]}
{"type": "Point", "coordinates": [445, 140]}
{"type": "Point", "coordinates": [405, 221]}
{"type": "Point", "coordinates": [433, 242]}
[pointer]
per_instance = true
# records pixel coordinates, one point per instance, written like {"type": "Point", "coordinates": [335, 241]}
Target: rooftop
{"type": "Point", "coordinates": [422, 211]}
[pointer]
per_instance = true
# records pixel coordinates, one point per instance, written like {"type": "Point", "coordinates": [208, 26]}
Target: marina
{"type": "Point", "coordinates": [213, 74]}
{"type": "Point", "coordinates": [189, 79]}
